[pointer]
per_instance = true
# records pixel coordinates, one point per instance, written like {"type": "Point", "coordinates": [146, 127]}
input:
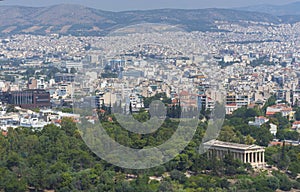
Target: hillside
{"type": "Point", "coordinates": [278, 10]}
{"type": "Point", "coordinates": [80, 20]}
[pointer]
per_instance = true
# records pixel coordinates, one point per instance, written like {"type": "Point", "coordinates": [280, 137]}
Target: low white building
{"type": "Point", "coordinates": [259, 121]}
{"type": "Point", "coordinates": [34, 123]}
{"type": "Point", "coordinates": [230, 108]}
{"type": "Point", "coordinates": [273, 129]}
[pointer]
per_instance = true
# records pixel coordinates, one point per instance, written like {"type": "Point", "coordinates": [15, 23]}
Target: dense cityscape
{"type": "Point", "coordinates": [253, 68]}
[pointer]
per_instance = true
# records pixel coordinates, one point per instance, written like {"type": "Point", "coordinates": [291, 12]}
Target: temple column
{"type": "Point", "coordinates": [259, 157]}
{"type": "Point", "coordinates": [248, 157]}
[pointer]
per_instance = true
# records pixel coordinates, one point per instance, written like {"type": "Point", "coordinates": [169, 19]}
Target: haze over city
{"type": "Point", "coordinates": [120, 5]}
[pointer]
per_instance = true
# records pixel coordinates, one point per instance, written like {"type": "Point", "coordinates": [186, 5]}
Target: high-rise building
{"type": "Point", "coordinates": [32, 98]}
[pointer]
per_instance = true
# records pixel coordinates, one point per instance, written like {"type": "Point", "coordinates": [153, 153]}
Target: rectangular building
{"type": "Point", "coordinates": [253, 154]}
{"type": "Point", "coordinates": [64, 77]}
{"type": "Point", "coordinates": [30, 99]}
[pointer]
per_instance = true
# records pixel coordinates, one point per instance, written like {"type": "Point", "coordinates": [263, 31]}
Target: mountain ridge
{"type": "Point", "coordinates": [80, 20]}
{"type": "Point", "coordinates": [277, 10]}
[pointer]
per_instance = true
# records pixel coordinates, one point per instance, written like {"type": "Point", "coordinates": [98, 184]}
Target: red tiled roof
{"type": "Point", "coordinates": [232, 105]}
{"type": "Point", "coordinates": [184, 93]}
{"type": "Point", "coordinates": [251, 105]}
{"type": "Point", "coordinates": [274, 143]}
{"type": "Point", "coordinates": [287, 109]}
{"type": "Point", "coordinates": [296, 123]}
{"type": "Point", "coordinates": [270, 113]}
{"type": "Point", "coordinates": [57, 121]}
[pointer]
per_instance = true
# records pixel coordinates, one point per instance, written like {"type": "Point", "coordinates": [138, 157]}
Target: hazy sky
{"type": "Point", "coordinates": [117, 5]}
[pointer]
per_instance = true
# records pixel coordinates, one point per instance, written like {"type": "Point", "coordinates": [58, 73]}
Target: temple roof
{"type": "Point", "coordinates": [237, 146]}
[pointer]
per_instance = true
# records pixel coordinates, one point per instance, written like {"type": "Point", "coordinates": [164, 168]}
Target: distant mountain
{"type": "Point", "coordinates": [278, 10]}
{"type": "Point", "coordinates": [80, 20]}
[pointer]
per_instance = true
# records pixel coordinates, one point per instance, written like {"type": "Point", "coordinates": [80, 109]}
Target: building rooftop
{"type": "Point", "coordinates": [221, 144]}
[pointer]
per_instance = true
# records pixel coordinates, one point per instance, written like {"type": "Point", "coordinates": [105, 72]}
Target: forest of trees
{"type": "Point", "coordinates": [56, 158]}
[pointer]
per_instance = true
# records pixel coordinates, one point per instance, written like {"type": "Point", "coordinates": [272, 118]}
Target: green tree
{"type": "Point", "coordinates": [30, 72]}
{"type": "Point", "coordinates": [273, 183]}
{"type": "Point", "coordinates": [11, 108]}
{"type": "Point", "coordinates": [73, 70]}
{"type": "Point", "coordinates": [271, 101]}
{"type": "Point", "coordinates": [228, 134]}
{"type": "Point", "coordinates": [283, 121]}
{"type": "Point", "coordinates": [284, 182]}
{"type": "Point", "coordinates": [178, 175]}
{"type": "Point", "coordinates": [69, 126]}
{"type": "Point", "coordinates": [249, 140]}
{"type": "Point", "coordinates": [165, 187]}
